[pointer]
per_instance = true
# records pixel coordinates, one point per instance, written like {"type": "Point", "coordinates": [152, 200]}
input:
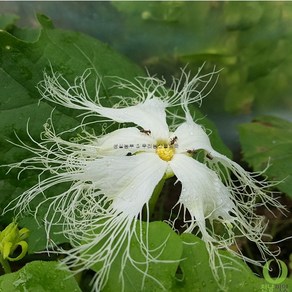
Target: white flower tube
{"type": "Point", "coordinates": [113, 176]}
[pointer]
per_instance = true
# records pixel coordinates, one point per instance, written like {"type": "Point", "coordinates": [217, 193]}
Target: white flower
{"type": "Point", "coordinates": [113, 176]}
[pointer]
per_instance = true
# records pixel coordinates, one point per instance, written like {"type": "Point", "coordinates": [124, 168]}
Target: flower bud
{"type": "Point", "coordinates": [12, 237]}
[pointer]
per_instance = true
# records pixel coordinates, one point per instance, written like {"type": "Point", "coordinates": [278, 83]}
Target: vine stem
{"type": "Point", "coordinates": [156, 193]}
{"type": "Point", "coordinates": [5, 265]}
{"type": "Point", "coordinates": [155, 196]}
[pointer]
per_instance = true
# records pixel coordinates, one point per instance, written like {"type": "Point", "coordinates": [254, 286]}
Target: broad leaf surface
{"type": "Point", "coordinates": [197, 275]}
{"type": "Point", "coordinates": [7, 21]}
{"type": "Point", "coordinates": [250, 40]}
{"type": "Point", "coordinates": [21, 68]}
{"type": "Point", "coordinates": [268, 140]}
{"type": "Point", "coordinates": [160, 235]}
{"type": "Point", "coordinates": [39, 276]}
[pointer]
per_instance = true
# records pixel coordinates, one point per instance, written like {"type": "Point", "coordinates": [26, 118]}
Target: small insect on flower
{"type": "Point", "coordinates": [173, 140]}
{"type": "Point", "coordinates": [110, 187]}
{"type": "Point", "coordinates": [147, 132]}
{"type": "Point", "coordinates": [209, 156]}
{"type": "Point", "coordinates": [191, 152]}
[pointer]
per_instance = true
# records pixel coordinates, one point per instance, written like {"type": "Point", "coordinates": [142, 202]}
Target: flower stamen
{"type": "Point", "coordinates": [165, 152]}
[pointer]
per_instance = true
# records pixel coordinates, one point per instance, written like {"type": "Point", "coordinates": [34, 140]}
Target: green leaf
{"type": "Point", "coordinates": [21, 68]}
{"type": "Point", "coordinates": [37, 239]}
{"type": "Point", "coordinates": [236, 20]}
{"type": "Point", "coordinates": [160, 234]}
{"type": "Point", "coordinates": [197, 275]}
{"type": "Point", "coordinates": [269, 140]}
{"type": "Point", "coordinates": [39, 276]}
{"type": "Point", "coordinates": [250, 40]}
{"type": "Point", "coordinates": [7, 21]}
{"type": "Point", "coordinates": [182, 25]}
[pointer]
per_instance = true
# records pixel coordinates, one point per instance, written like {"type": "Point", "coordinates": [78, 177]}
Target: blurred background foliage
{"type": "Point", "coordinates": [250, 41]}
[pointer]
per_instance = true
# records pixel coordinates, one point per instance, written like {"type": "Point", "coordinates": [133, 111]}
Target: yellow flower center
{"type": "Point", "coordinates": [165, 152]}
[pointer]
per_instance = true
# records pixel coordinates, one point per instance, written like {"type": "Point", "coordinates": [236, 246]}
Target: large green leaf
{"type": "Point", "coordinates": [250, 40]}
{"type": "Point", "coordinates": [197, 275]}
{"type": "Point", "coordinates": [268, 140]}
{"type": "Point", "coordinates": [7, 21]}
{"type": "Point", "coordinates": [39, 276]}
{"type": "Point", "coordinates": [21, 68]}
{"type": "Point", "coordinates": [165, 245]}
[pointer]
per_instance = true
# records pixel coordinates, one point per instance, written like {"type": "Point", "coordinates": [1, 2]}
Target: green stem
{"type": "Point", "coordinates": [155, 196]}
{"type": "Point", "coordinates": [5, 265]}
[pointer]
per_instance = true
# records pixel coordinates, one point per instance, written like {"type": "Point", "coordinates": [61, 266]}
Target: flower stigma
{"type": "Point", "coordinates": [165, 150]}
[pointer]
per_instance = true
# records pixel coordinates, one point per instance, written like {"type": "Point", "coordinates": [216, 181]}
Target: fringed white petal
{"type": "Point", "coordinates": [207, 198]}
{"type": "Point", "coordinates": [191, 136]}
{"type": "Point", "coordinates": [118, 187]}
{"type": "Point", "coordinates": [203, 194]}
{"type": "Point", "coordinates": [128, 180]}
{"type": "Point", "coordinates": [100, 209]}
{"type": "Point", "coordinates": [125, 141]}
{"type": "Point", "coordinates": [149, 114]}
{"type": "Point", "coordinates": [100, 235]}
{"type": "Point", "coordinates": [183, 91]}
